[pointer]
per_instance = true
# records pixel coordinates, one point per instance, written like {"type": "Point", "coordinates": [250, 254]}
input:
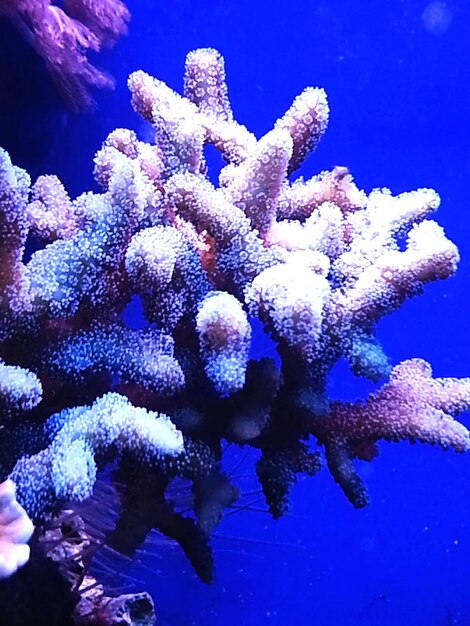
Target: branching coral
{"type": "Point", "coordinates": [318, 262]}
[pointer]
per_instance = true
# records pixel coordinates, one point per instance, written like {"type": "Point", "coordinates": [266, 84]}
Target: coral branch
{"type": "Point", "coordinates": [412, 406]}
{"type": "Point", "coordinates": [15, 531]}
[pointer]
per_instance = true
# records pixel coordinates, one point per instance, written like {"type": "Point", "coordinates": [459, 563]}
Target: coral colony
{"type": "Point", "coordinates": [317, 262]}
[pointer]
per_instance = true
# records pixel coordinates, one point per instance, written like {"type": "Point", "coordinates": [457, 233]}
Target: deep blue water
{"type": "Point", "coordinates": [397, 75]}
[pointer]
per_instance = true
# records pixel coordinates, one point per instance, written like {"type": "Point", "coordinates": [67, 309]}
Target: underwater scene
{"type": "Point", "coordinates": [234, 313]}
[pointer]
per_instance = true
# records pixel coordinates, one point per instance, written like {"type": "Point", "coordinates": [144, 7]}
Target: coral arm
{"type": "Point", "coordinates": [257, 187]}
{"type": "Point", "coordinates": [15, 531]}
{"type": "Point", "coordinates": [20, 390]}
{"type": "Point", "coordinates": [205, 86]}
{"type": "Point", "coordinates": [306, 120]}
{"type": "Point", "coordinates": [14, 190]}
{"type": "Point", "coordinates": [412, 406]}
{"type": "Point", "coordinates": [165, 270]}
{"type": "Point", "coordinates": [204, 83]}
{"type": "Point", "coordinates": [224, 339]}
{"type": "Point", "coordinates": [51, 214]}
{"type": "Point", "coordinates": [144, 359]}
{"type": "Point", "coordinates": [66, 469]}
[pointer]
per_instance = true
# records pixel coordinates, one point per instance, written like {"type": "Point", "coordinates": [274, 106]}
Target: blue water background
{"type": "Point", "coordinates": [397, 75]}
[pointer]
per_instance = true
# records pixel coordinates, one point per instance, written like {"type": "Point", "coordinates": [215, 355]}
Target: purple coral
{"type": "Point", "coordinates": [15, 531]}
{"type": "Point", "coordinates": [62, 35]}
{"type": "Point", "coordinates": [317, 262]}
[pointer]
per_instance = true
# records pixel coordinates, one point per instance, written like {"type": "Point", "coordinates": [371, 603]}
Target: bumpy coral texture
{"type": "Point", "coordinates": [317, 262]}
{"type": "Point", "coordinates": [62, 33]}
{"type": "Point", "coordinates": [15, 531]}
